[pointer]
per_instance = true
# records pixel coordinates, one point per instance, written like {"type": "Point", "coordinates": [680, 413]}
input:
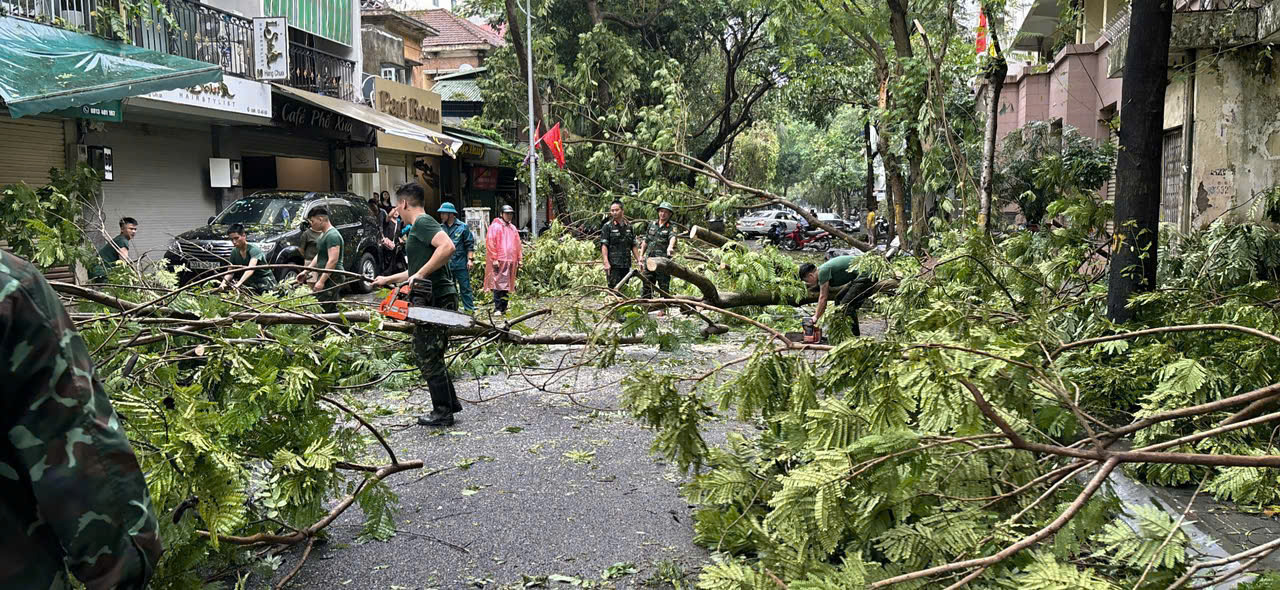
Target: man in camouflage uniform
{"type": "Point", "coordinates": [72, 494]}
{"type": "Point", "coordinates": [617, 242]}
{"type": "Point", "coordinates": [431, 284]}
{"type": "Point", "coordinates": [659, 242]}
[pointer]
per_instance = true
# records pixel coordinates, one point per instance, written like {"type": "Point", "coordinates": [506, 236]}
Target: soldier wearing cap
{"type": "Point", "coordinates": [658, 242]}
{"type": "Point", "coordinates": [72, 495]}
{"type": "Point", "coordinates": [464, 251]}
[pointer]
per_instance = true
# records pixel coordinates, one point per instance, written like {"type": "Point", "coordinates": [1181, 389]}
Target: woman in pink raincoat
{"type": "Point", "coordinates": [502, 253]}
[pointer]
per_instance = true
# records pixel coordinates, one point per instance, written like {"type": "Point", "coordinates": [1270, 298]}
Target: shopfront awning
{"type": "Point", "coordinates": [425, 140]}
{"type": "Point", "coordinates": [43, 69]}
{"type": "Point", "coordinates": [479, 140]}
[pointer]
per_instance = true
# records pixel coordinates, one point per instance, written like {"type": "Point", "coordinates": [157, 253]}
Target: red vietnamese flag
{"type": "Point", "coordinates": [982, 32]}
{"type": "Point", "coordinates": [554, 143]}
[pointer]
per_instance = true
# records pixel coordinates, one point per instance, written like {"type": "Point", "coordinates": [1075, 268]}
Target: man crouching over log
{"type": "Point", "coordinates": [431, 285]}
{"type": "Point", "coordinates": [831, 276]}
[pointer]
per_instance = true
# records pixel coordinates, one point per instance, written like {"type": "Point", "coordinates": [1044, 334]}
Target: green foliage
{"type": "Point", "coordinates": [231, 431]}
{"type": "Point", "coordinates": [559, 262]}
{"type": "Point", "coordinates": [43, 224]}
{"type": "Point", "coordinates": [860, 457]}
{"type": "Point", "coordinates": [1038, 165]}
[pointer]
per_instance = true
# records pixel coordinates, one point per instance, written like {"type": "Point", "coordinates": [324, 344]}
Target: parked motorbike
{"type": "Point", "coordinates": [799, 239]}
{"type": "Point", "coordinates": [775, 235]}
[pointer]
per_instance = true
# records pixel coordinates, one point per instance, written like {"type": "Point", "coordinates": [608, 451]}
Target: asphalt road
{"type": "Point", "coordinates": [552, 486]}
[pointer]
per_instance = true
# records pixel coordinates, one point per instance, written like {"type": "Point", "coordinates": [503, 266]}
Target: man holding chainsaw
{"type": "Point", "coordinates": [430, 285]}
{"type": "Point", "coordinates": [829, 278]}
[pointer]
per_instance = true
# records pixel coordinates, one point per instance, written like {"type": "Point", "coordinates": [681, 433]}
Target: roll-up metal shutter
{"type": "Point", "coordinates": [281, 143]}
{"type": "Point", "coordinates": [29, 148]}
{"type": "Point", "coordinates": [161, 179]}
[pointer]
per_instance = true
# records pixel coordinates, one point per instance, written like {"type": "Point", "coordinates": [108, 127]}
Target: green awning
{"type": "Point", "coordinates": [477, 139]}
{"type": "Point", "coordinates": [45, 69]}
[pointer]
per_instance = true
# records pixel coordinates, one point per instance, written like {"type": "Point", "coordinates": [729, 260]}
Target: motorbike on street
{"type": "Point", "coordinates": [775, 235]}
{"type": "Point", "coordinates": [800, 238]}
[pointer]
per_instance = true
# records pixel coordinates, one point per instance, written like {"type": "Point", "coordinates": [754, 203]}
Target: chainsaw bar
{"type": "Point", "coordinates": [440, 317]}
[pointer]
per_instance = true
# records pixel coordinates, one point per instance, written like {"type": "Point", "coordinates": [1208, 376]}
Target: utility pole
{"type": "Point", "coordinates": [533, 151]}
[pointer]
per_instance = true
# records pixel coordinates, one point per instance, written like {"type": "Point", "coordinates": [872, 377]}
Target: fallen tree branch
{"type": "Point", "coordinates": [701, 233]}
{"type": "Point", "coordinates": [334, 513]}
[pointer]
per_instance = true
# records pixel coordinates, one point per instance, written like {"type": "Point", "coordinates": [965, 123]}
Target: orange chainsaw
{"type": "Point", "coordinates": [396, 306]}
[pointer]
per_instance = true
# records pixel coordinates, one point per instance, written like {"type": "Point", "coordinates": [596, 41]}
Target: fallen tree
{"type": "Point", "coordinates": [712, 295]}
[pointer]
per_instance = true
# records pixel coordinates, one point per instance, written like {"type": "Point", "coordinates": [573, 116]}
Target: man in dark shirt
{"type": "Point", "coordinates": [115, 250]}
{"type": "Point", "coordinates": [328, 257]}
{"type": "Point", "coordinates": [617, 245]}
{"type": "Point", "coordinates": [248, 255]}
{"type": "Point", "coordinates": [431, 284]}
{"type": "Point", "coordinates": [72, 495]}
{"type": "Point", "coordinates": [831, 276]}
{"type": "Point", "coordinates": [659, 242]}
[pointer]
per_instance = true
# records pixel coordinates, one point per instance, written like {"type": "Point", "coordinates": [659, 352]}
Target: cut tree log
{"type": "Point", "coordinates": [701, 233]}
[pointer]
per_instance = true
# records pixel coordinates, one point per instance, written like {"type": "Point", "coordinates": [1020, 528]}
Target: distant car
{"type": "Point", "coordinates": [758, 223]}
{"type": "Point", "coordinates": [835, 220]}
{"type": "Point", "coordinates": [276, 222]}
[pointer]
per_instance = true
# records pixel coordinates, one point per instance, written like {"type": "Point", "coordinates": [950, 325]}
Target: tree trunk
{"type": "Point", "coordinates": [698, 232]}
{"type": "Point", "coordinates": [1133, 260]}
{"type": "Point", "coordinates": [996, 72]}
{"type": "Point", "coordinates": [712, 296]}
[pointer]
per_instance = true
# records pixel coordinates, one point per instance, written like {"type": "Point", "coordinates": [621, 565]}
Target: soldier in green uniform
{"type": "Point", "coordinates": [617, 243]}
{"type": "Point", "coordinates": [431, 284]}
{"type": "Point", "coordinates": [248, 255]}
{"type": "Point", "coordinates": [328, 257]}
{"type": "Point", "coordinates": [659, 242]}
{"type": "Point", "coordinates": [115, 250]}
{"type": "Point", "coordinates": [72, 495]}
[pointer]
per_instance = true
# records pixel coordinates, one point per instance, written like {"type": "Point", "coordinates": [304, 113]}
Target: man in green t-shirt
{"type": "Point", "coordinates": [115, 250]}
{"type": "Point", "coordinates": [431, 284]}
{"type": "Point", "coordinates": [248, 255]}
{"type": "Point", "coordinates": [831, 276]}
{"type": "Point", "coordinates": [328, 257]}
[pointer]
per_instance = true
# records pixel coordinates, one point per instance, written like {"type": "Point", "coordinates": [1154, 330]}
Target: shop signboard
{"type": "Point", "coordinates": [471, 151]}
{"type": "Point", "coordinates": [271, 48]}
{"type": "Point", "coordinates": [231, 95]}
{"type": "Point", "coordinates": [111, 111]}
{"type": "Point", "coordinates": [407, 103]}
{"type": "Point", "coordinates": [321, 122]}
{"type": "Point", "coordinates": [364, 159]}
{"type": "Point", "coordinates": [484, 178]}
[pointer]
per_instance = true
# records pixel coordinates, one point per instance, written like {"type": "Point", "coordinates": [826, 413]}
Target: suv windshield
{"type": "Point", "coordinates": [260, 211]}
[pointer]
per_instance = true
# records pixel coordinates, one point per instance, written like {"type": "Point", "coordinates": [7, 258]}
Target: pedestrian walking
{"type": "Point", "coordinates": [464, 251]}
{"type": "Point", "coordinates": [115, 250]}
{"type": "Point", "coordinates": [328, 257]}
{"type": "Point", "coordinates": [430, 285]}
{"type": "Point", "coordinates": [247, 255]}
{"type": "Point", "coordinates": [72, 495]}
{"type": "Point", "coordinates": [391, 243]}
{"type": "Point", "coordinates": [617, 245]}
{"type": "Point", "coordinates": [658, 242]}
{"type": "Point", "coordinates": [503, 251]}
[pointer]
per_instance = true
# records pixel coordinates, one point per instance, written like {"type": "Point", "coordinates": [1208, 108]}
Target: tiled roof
{"type": "Point", "coordinates": [458, 90]}
{"type": "Point", "coordinates": [454, 30]}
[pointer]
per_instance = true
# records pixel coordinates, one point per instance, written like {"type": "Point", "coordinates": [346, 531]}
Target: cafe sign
{"type": "Point", "coordinates": [407, 103]}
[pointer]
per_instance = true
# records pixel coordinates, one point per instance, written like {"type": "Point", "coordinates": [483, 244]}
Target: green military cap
{"type": "Point", "coordinates": [666, 205]}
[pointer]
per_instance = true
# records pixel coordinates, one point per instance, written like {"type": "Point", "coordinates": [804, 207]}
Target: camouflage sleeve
{"type": "Point", "coordinates": [85, 479]}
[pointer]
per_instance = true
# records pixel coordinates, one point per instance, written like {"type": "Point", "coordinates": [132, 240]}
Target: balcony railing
{"type": "Point", "coordinates": [322, 73]}
{"type": "Point", "coordinates": [203, 33]}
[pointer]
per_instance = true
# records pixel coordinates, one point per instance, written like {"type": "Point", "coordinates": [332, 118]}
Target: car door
{"type": "Point", "coordinates": [347, 222]}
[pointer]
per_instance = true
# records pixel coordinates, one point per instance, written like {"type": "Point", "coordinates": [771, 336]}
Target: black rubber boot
{"type": "Point", "coordinates": [441, 403]}
{"type": "Point", "coordinates": [453, 396]}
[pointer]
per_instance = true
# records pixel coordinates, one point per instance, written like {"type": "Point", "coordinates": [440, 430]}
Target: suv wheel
{"type": "Point", "coordinates": [369, 270]}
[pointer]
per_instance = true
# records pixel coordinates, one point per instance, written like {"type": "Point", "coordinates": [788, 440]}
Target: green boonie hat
{"type": "Point", "coordinates": [666, 205]}
{"type": "Point", "coordinates": [447, 207]}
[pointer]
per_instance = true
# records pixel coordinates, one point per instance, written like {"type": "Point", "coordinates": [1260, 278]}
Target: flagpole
{"type": "Point", "coordinates": [533, 152]}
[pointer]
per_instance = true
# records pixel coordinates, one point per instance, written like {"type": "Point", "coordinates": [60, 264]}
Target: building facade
{"type": "Point", "coordinates": [459, 43]}
{"type": "Point", "coordinates": [1221, 120]}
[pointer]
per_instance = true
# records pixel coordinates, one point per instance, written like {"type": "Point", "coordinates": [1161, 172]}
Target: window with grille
{"type": "Point", "coordinates": [1171, 176]}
